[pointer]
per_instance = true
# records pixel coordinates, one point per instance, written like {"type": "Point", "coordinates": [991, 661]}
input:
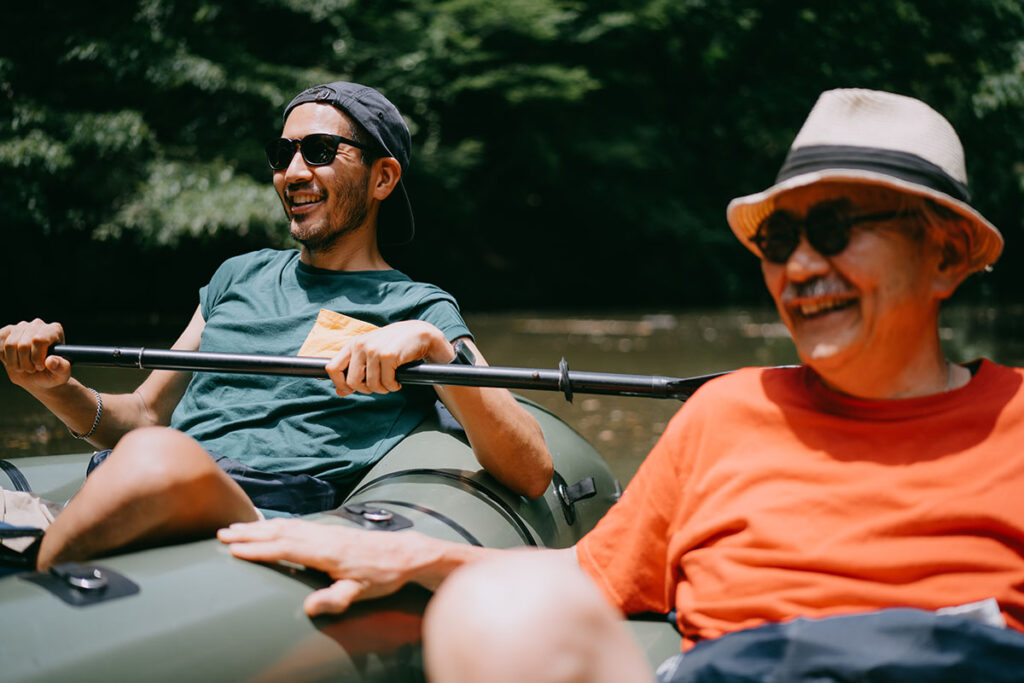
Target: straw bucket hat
{"type": "Point", "coordinates": [876, 138]}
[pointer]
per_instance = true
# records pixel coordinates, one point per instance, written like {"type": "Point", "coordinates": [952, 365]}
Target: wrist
{"type": "Point", "coordinates": [437, 559]}
{"type": "Point", "coordinates": [441, 351]}
{"type": "Point", "coordinates": [75, 404]}
{"type": "Point", "coordinates": [65, 393]}
{"type": "Point", "coordinates": [463, 354]}
{"type": "Point", "coordinates": [96, 418]}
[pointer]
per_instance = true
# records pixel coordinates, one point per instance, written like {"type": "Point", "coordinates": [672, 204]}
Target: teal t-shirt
{"type": "Point", "coordinates": [267, 302]}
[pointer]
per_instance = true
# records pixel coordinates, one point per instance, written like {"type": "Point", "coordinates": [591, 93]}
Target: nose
{"type": "Point", "coordinates": [298, 170]}
{"type": "Point", "coordinates": [805, 262]}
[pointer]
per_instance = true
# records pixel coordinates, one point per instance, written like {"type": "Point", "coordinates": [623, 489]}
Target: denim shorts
{"type": "Point", "coordinates": [273, 493]}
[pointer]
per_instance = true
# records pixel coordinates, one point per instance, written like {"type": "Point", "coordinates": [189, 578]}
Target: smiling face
{"type": "Point", "coordinates": [871, 309]}
{"type": "Point", "coordinates": [323, 203]}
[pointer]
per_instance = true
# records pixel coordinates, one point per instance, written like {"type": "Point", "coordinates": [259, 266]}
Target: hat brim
{"type": "Point", "coordinates": [744, 214]}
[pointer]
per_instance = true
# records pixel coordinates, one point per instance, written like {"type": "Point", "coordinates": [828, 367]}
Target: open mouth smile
{"type": "Point", "coordinates": [303, 200]}
{"type": "Point", "coordinates": [819, 307]}
{"type": "Point", "coordinates": [818, 297]}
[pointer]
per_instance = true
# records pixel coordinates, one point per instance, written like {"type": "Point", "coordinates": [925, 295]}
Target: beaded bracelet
{"type": "Point", "coordinates": [95, 422]}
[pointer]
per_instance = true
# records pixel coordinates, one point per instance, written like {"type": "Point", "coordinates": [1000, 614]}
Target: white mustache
{"type": "Point", "coordinates": [829, 285]}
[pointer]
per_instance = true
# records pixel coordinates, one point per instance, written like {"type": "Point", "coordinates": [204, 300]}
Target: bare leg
{"type": "Point", "coordinates": [530, 616]}
{"type": "Point", "coordinates": [157, 485]}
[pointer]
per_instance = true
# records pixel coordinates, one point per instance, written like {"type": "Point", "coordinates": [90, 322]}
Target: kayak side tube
{"type": "Point", "coordinates": [200, 614]}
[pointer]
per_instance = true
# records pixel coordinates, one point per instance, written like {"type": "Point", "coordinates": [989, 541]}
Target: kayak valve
{"type": "Point", "coordinates": [80, 576]}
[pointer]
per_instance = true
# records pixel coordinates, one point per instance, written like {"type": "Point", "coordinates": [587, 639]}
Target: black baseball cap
{"type": "Point", "coordinates": [385, 124]}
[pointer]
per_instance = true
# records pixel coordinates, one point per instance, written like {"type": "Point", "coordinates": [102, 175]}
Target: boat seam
{"type": "Point", "coordinates": [445, 519]}
{"type": "Point", "coordinates": [17, 478]}
{"type": "Point", "coordinates": [524, 531]}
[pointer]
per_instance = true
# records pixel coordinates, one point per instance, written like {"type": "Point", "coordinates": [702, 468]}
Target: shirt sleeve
{"type": "Point", "coordinates": [627, 553]}
{"type": "Point", "coordinates": [212, 292]}
{"type": "Point", "coordinates": [441, 310]}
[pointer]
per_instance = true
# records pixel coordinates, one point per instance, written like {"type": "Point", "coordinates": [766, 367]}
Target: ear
{"type": "Point", "coordinates": [952, 269]}
{"type": "Point", "coordinates": [384, 176]}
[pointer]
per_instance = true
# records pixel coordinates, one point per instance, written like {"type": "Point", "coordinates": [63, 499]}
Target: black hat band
{"type": "Point", "coordinates": [903, 165]}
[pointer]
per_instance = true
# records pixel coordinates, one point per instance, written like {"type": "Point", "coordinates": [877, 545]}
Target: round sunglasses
{"type": "Point", "coordinates": [317, 149]}
{"type": "Point", "coordinates": [827, 227]}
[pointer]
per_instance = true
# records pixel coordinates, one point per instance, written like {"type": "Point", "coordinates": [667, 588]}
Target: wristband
{"type": "Point", "coordinates": [463, 356]}
{"type": "Point", "coordinates": [95, 422]}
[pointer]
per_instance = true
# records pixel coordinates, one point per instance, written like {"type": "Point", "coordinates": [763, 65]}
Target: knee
{"type": "Point", "coordinates": [528, 616]}
{"type": "Point", "coordinates": [158, 458]}
{"type": "Point", "coordinates": [520, 585]}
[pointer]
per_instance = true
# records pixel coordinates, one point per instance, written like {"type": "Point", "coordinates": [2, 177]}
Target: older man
{"type": "Point", "coordinates": [289, 446]}
{"type": "Point", "coordinates": [787, 514]}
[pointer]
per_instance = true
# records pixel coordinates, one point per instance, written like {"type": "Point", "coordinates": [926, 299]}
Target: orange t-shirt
{"type": "Point", "coordinates": [770, 497]}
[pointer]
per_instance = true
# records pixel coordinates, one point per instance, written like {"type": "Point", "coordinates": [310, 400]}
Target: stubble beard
{"type": "Point", "coordinates": [349, 215]}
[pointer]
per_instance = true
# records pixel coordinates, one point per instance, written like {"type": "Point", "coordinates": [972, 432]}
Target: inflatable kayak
{"type": "Point", "coordinates": [193, 612]}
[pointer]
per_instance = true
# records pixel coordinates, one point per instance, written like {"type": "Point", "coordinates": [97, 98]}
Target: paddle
{"type": "Point", "coordinates": [562, 379]}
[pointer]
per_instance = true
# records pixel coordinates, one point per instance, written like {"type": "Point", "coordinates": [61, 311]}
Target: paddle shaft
{"type": "Point", "coordinates": [564, 380]}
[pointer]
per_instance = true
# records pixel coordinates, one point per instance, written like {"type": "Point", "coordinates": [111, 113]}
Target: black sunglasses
{"type": "Point", "coordinates": [827, 226]}
{"type": "Point", "coordinates": [318, 149]}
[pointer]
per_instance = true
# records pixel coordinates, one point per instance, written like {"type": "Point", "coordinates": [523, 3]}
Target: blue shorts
{"type": "Point", "coordinates": [888, 645]}
{"type": "Point", "coordinates": [274, 493]}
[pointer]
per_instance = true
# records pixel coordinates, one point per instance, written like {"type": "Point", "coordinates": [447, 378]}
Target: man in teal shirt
{"type": "Point", "coordinates": [282, 444]}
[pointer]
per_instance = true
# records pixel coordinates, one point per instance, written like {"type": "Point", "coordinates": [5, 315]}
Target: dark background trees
{"type": "Point", "coordinates": [566, 154]}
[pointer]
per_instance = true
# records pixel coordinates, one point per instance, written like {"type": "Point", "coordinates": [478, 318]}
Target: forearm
{"type": "Point", "coordinates": [431, 561]}
{"type": "Point", "coordinates": [364, 564]}
{"type": "Point", "coordinates": [506, 440]}
{"type": "Point", "coordinates": [104, 418]}
{"type": "Point", "coordinates": [76, 406]}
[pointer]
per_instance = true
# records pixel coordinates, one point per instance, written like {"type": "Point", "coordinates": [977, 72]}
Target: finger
{"type": "Point", "coordinates": [334, 599]}
{"type": "Point", "coordinates": [373, 376]}
{"type": "Point", "coordinates": [241, 532]}
{"type": "Point", "coordinates": [58, 366]}
{"type": "Point", "coordinates": [37, 353]}
{"type": "Point", "coordinates": [50, 334]}
{"type": "Point", "coordinates": [274, 551]}
{"type": "Point", "coordinates": [7, 345]}
{"type": "Point", "coordinates": [336, 371]}
{"type": "Point", "coordinates": [357, 371]}
{"type": "Point", "coordinates": [341, 359]}
{"type": "Point", "coordinates": [263, 530]}
{"type": "Point", "coordinates": [436, 347]}
{"type": "Point", "coordinates": [23, 352]}
{"type": "Point", "coordinates": [387, 374]}
{"type": "Point", "coordinates": [298, 545]}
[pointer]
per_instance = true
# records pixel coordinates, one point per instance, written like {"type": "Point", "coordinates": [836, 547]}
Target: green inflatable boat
{"type": "Point", "coordinates": [192, 612]}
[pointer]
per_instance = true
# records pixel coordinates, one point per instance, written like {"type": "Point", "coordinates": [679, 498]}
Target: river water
{"type": "Point", "coordinates": [623, 429]}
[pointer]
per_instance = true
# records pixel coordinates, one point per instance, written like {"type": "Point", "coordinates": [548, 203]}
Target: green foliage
{"type": "Point", "coordinates": [565, 153]}
{"type": "Point", "coordinates": [35, 150]}
{"type": "Point", "coordinates": [179, 199]}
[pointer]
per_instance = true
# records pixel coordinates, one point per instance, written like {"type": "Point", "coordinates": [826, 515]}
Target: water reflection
{"type": "Point", "coordinates": [679, 345]}
{"type": "Point", "coordinates": [623, 429]}
{"type": "Point", "coordinates": [683, 345]}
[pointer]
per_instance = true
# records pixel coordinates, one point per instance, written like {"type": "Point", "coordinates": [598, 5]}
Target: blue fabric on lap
{"type": "Point", "coordinates": [894, 645]}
